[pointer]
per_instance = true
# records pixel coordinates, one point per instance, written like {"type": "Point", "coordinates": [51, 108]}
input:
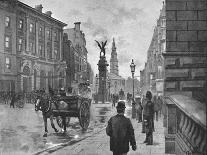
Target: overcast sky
{"type": "Point", "coordinates": [130, 22]}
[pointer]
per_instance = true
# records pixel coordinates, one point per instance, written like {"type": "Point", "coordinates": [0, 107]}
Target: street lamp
{"type": "Point", "coordinates": [132, 66]}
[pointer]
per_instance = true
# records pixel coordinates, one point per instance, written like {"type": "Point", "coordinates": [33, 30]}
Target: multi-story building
{"type": "Point", "coordinates": [153, 74]}
{"type": "Point", "coordinates": [185, 87]}
{"type": "Point", "coordinates": [30, 48]}
{"type": "Point", "coordinates": [68, 56]}
{"type": "Point", "coordinates": [90, 73]}
{"type": "Point", "coordinates": [79, 52]}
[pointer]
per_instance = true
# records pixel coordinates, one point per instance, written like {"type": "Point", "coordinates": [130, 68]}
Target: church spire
{"type": "Point", "coordinates": [113, 45]}
{"type": "Point", "coordinates": [114, 61]}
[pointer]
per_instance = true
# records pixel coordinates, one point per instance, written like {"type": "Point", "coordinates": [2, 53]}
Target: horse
{"type": "Point", "coordinates": [47, 105]}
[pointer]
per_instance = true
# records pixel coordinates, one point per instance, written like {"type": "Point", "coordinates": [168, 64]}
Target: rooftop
{"type": "Point", "coordinates": [46, 15]}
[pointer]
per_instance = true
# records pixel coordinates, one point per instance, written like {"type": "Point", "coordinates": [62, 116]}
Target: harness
{"type": "Point", "coordinates": [45, 108]}
{"type": "Point", "coordinates": [49, 107]}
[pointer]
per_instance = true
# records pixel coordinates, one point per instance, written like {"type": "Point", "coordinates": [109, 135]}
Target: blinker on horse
{"type": "Point", "coordinates": [47, 105]}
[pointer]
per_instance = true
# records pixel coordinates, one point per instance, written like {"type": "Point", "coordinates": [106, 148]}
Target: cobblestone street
{"type": "Point", "coordinates": [98, 144]}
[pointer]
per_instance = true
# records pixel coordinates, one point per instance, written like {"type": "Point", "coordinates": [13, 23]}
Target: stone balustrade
{"type": "Point", "coordinates": [186, 125]}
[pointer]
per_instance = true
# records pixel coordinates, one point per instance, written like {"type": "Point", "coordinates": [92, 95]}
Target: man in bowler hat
{"type": "Point", "coordinates": [121, 132]}
{"type": "Point", "coordinates": [148, 119]}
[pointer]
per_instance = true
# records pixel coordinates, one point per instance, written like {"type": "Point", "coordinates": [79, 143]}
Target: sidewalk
{"type": "Point", "coordinates": [98, 144]}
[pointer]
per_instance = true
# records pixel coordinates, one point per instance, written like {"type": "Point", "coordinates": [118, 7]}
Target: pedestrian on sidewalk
{"type": "Point", "coordinates": [144, 111]}
{"type": "Point", "coordinates": [138, 109]}
{"type": "Point", "coordinates": [159, 102]}
{"type": "Point", "coordinates": [149, 124]}
{"type": "Point", "coordinates": [156, 108]}
{"type": "Point", "coordinates": [121, 132]}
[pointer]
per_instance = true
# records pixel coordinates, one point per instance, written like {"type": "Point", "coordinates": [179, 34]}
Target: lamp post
{"type": "Point", "coordinates": [132, 66]}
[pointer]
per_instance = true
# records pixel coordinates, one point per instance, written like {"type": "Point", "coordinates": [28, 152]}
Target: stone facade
{"type": "Point", "coordinates": [185, 73]}
{"type": "Point", "coordinates": [69, 57]}
{"type": "Point", "coordinates": [152, 76]}
{"type": "Point", "coordinates": [186, 48]}
{"type": "Point", "coordinates": [30, 48]}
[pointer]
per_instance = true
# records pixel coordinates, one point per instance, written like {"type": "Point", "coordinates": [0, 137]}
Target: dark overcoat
{"type": "Point", "coordinates": [121, 133]}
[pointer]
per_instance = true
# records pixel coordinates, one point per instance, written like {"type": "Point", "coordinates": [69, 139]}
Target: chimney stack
{"type": "Point", "coordinates": [77, 26]}
{"type": "Point", "coordinates": [49, 13]}
{"type": "Point", "coordinates": [39, 7]}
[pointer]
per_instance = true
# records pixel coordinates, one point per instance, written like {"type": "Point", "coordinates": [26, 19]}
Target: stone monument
{"type": "Point", "coordinates": [102, 67]}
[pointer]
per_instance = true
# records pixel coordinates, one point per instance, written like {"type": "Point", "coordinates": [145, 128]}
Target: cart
{"type": "Point", "coordinates": [72, 106]}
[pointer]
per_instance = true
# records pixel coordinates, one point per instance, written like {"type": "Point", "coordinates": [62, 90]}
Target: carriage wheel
{"type": "Point", "coordinates": [59, 120]}
{"type": "Point", "coordinates": [84, 115]}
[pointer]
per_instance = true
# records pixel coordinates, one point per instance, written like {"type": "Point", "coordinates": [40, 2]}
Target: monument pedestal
{"type": "Point", "coordinates": [102, 67]}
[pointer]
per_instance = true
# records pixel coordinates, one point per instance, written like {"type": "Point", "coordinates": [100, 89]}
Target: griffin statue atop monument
{"type": "Point", "coordinates": [102, 47]}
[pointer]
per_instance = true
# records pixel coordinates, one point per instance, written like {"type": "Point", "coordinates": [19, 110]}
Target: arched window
{"type": "Point", "coordinates": [26, 70]}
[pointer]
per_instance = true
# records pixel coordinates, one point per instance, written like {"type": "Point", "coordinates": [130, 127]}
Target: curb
{"type": "Point", "coordinates": [60, 146]}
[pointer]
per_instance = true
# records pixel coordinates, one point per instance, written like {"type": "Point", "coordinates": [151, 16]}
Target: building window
{"type": "Point", "coordinates": [159, 72]}
{"type": "Point", "coordinates": [55, 36]}
{"type": "Point", "coordinates": [163, 22]}
{"type": "Point", "coordinates": [56, 54]}
{"type": "Point", "coordinates": [8, 63]}
{"type": "Point", "coordinates": [49, 53]}
{"type": "Point", "coordinates": [42, 55]}
{"type": "Point", "coordinates": [31, 45]}
{"type": "Point", "coordinates": [7, 41]}
{"type": "Point", "coordinates": [48, 34]}
{"type": "Point", "coordinates": [7, 21]}
{"type": "Point", "coordinates": [20, 44]}
{"type": "Point", "coordinates": [40, 31]}
{"type": "Point", "coordinates": [163, 47]}
{"type": "Point", "coordinates": [20, 24]}
{"type": "Point", "coordinates": [31, 28]}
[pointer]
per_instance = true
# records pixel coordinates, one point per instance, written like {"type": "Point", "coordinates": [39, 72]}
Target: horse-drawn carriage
{"type": "Point", "coordinates": [62, 108]}
{"type": "Point", "coordinates": [73, 106]}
